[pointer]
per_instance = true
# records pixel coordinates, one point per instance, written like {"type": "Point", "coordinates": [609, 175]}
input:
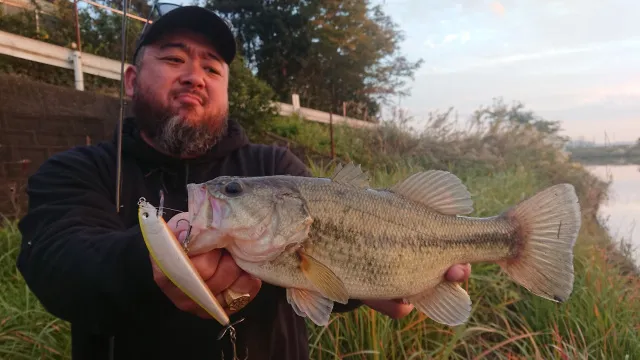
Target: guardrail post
{"type": "Point", "coordinates": [295, 100]}
{"type": "Point", "coordinates": [77, 70]}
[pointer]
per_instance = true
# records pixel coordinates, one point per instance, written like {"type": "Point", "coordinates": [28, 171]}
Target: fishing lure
{"type": "Point", "coordinates": [170, 257]}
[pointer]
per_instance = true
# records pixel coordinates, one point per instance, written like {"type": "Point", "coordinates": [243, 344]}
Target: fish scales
{"type": "Point", "coordinates": [376, 244]}
{"type": "Point", "coordinates": [334, 239]}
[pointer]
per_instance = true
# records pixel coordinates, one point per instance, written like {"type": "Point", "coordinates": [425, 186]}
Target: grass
{"type": "Point", "coordinates": [27, 330]}
{"type": "Point", "coordinates": [600, 320]}
{"type": "Point", "coordinates": [501, 163]}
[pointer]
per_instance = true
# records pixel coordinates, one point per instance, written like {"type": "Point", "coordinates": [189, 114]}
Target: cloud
{"type": "Point", "coordinates": [477, 62]}
{"type": "Point", "coordinates": [572, 61]}
{"type": "Point", "coordinates": [454, 39]}
{"type": "Point", "coordinates": [497, 8]}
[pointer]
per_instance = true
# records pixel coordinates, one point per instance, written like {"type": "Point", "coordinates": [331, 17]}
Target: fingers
{"type": "Point", "coordinates": [226, 273]}
{"type": "Point", "coordinates": [205, 264]}
{"type": "Point", "coordinates": [394, 309]}
{"type": "Point", "coordinates": [458, 273]}
{"type": "Point", "coordinates": [219, 272]}
{"type": "Point", "coordinates": [245, 284]}
{"type": "Point", "coordinates": [229, 276]}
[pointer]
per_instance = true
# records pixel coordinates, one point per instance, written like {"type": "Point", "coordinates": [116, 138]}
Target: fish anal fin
{"type": "Point", "coordinates": [441, 191]}
{"type": "Point", "coordinates": [350, 174]}
{"type": "Point", "coordinates": [447, 303]}
{"type": "Point", "coordinates": [325, 280]}
{"type": "Point", "coordinates": [310, 304]}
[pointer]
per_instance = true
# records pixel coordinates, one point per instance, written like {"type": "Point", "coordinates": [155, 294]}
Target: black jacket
{"type": "Point", "coordinates": [88, 264]}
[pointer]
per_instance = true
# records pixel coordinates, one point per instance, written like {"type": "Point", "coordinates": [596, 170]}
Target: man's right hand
{"type": "Point", "coordinates": [217, 268]}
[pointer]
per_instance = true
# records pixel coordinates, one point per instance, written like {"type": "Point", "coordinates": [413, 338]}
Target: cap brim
{"type": "Point", "coordinates": [199, 20]}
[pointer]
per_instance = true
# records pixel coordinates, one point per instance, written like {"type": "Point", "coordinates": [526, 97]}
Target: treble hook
{"type": "Point", "coordinates": [187, 239]}
{"type": "Point", "coordinates": [178, 222]}
{"type": "Point", "coordinates": [230, 328]}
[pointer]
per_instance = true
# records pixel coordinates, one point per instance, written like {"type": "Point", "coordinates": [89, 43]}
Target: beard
{"type": "Point", "coordinates": [173, 133]}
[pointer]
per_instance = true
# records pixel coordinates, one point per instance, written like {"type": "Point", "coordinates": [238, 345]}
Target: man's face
{"type": "Point", "coordinates": [179, 94]}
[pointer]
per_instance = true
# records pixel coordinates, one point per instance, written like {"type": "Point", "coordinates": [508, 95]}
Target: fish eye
{"type": "Point", "coordinates": [145, 214]}
{"type": "Point", "coordinates": [233, 188]}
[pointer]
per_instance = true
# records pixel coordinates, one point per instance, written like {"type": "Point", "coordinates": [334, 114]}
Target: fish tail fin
{"type": "Point", "coordinates": [548, 224]}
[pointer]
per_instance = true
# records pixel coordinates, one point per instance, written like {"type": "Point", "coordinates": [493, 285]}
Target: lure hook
{"type": "Point", "coordinates": [229, 328]}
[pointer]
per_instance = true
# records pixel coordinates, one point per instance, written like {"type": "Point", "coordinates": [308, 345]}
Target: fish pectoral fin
{"type": "Point", "coordinates": [350, 175]}
{"type": "Point", "coordinates": [439, 190]}
{"type": "Point", "coordinates": [310, 304]}
{"type": "Point", "coordinates": [323, 278]}
{"type": "Point", "coordinates": [447, 303]}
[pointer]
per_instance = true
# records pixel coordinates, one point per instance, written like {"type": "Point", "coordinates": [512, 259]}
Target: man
{"type": "Point", "coordinates": [87, 262]}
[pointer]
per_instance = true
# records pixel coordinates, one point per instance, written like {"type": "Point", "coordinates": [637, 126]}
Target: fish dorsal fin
{"type": "Point", "coordinates": [350, 175]}
{"type": "Point", "coordinates": [439, 190]}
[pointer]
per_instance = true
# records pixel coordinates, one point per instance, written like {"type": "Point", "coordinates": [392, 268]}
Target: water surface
{"type": "Point", "coordinates": [622, 211]}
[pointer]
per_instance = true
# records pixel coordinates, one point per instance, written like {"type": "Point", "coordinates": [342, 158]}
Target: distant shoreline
{"type": "Point", "coordinates": [606, 155]}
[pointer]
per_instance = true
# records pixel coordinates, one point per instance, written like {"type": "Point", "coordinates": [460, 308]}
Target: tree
{"type": "Point", "coordinates": [249, 98]}
{"type": "Point", "coordinates": [320, 48]}
{"type": "Point", "coordinates": [499, 112]}
{"type": "Point", "coordinates": [100, 33]}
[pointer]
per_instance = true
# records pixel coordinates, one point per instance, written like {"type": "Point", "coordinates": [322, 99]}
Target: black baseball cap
{"type": "Point", "coordinates": [194, 18]}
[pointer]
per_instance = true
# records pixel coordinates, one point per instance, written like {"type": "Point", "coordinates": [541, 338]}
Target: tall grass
{"type": "Point", "coordinates": [600, 320]}
{"type": "Point", "coordinates": [27, 330]}
{"type": "Point", "coordinates": [502, 158]}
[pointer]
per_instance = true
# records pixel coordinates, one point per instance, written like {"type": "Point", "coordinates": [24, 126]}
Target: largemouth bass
{"type": "Point", "coordinates": [333, 239]}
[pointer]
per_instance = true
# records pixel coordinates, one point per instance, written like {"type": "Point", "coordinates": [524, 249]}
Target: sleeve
{"type": "Point", "coordinates": [291, 165]}
{"type": "Point", "coordinates": [77, 257]}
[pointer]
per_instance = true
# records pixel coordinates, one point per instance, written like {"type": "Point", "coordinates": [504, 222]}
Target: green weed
{"type": "Point", "coordinates": [501, 162]}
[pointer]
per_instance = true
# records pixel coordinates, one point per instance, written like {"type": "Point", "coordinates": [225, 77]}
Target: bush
{"type": "Point", "coordinates": [250, 99]}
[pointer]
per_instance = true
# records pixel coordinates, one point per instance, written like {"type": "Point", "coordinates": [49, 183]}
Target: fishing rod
{"type": "Point", "coordinates": [125, 9]}
{"type": "Point", "coordinates": [230, 327]}
{"type": "Point", "coordinates": [123, 37]}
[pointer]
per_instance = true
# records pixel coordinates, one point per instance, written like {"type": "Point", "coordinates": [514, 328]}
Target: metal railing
{"type": "Point", "coordinates": [82, 62]}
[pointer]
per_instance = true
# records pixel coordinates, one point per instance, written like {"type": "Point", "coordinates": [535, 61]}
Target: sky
{"type": "Point", "coordinates": [577, 62]}
{"type": "Point", "coordinates": [573, 61]}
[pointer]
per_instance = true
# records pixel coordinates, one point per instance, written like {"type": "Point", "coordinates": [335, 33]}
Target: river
{"type": "Point", "coordinates": [622, 210]}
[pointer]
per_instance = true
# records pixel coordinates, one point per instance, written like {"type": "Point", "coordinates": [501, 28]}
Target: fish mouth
{"type": "Point", "coordinates": [207, 210]}
{"type": "Point", "coordinates": [249, 242]}
{"type": "Point", "coordinates": [219, 211]}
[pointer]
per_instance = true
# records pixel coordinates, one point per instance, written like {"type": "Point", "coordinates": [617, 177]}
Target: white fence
{"type": "Point", "coordinates": [42, 52]}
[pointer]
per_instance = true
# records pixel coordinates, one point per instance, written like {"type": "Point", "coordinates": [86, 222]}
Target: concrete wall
{"type": "Point", "coordinates": [38, 120]}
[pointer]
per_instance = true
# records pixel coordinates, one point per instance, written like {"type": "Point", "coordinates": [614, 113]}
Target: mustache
{"type": "Point", "coordinates": [191, 91]}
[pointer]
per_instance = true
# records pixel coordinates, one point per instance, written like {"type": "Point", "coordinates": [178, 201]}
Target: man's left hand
{"type": "Point", "coordinates": [397, 309]}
